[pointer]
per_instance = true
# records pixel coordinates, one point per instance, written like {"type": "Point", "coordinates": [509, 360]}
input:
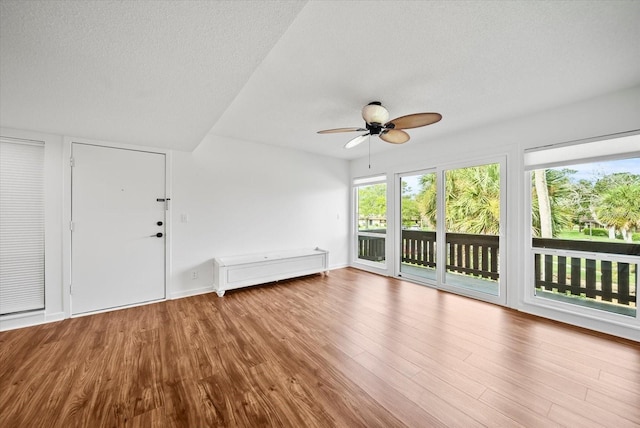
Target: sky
{"type": "Point", "coordinates": [592, 171]}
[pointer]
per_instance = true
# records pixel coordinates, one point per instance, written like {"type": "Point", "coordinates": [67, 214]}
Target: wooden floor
{"type": "Point", "coordinates": [350, 349]}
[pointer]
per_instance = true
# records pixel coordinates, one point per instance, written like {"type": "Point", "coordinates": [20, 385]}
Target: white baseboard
{"type": "Point", "coordinates": [193, 292]}
{"type": "Point", "coordinates": [336, 267]}
{"type": "Point", "coordinates": [29, 319]}
{"type": "Point", "coordinates": [57, 316]}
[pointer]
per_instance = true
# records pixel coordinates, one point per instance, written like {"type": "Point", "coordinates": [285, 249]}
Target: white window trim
{"type": "Point", "coordinates": [397, 244]}
{"type": "Point", "coordinates": [377, 267]}
{"type": "Point", "coordinates": [568, 312]}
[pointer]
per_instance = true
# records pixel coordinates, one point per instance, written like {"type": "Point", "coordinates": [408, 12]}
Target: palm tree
{"type": "Point", "coordinates": [619, 204]}
{"type": "Point", "coordinates": [427, 202]}
{"type": "Point", "coordinates": [561, 197]}
{"type": "Point", "coordinates": [473, 199]}
{"type": "Point", "coordinates": [544, 204]}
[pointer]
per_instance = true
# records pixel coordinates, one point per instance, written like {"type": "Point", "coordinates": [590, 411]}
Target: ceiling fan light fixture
{"type": "Point", "coordinates": [375, 112]}
{"type": "Point", "coordinates": [355, 141]}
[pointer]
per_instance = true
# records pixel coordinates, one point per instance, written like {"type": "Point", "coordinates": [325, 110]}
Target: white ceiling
{"type": "Point", "coordinates": [166, 73]}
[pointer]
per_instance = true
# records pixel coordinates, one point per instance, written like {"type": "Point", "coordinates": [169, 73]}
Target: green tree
{"type": "Point", "coordinates": [372, 203]}
{"type": "Point", "coordinates": [582, 201]}
{"type": "Point", "coordinates": [472, 200]}
{"type": "Point", "coordinates": [561, 195]}
{"type": "Point", "coordinates": [618, 204]}
{"type": "Point", "coordinates": [410, 209]}
{"type": "Point", "coordinates": [427, 202]}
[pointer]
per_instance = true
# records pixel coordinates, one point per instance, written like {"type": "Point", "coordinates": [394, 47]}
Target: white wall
{"type": "Point", "coordinates": [609, 114]}
{"type": "Point", "coordinates": [241, 198]}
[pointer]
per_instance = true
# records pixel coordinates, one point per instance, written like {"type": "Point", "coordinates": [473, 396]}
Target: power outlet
{"type": "Point", "coordinates": [194, 274]}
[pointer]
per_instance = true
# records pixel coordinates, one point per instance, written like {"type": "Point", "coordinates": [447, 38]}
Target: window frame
{"type": "Point", "coordinates": [397, 244]}
{"type": "Point", "coordinates": [533, 159]}
{"type": "Point", "coordinates": [356, 184]}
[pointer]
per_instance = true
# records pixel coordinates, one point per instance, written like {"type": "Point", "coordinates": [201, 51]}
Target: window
{"type": "Point", "coordinates": [418, 214]}
{"type": "Point", "coordinates": [370, 196]}
{"type": "Point", "coordinates": [585, 224]}
{"type": "Point", "coordinates": [472, 228]}
{"type": "Point", "coordinates": [21, 226]}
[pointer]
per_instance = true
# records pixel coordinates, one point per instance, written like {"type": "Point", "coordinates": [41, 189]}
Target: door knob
{"type": "Point", "coordinates": [157, 235]}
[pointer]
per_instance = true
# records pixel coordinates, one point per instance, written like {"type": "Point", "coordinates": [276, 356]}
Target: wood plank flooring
{"type": "Point", "coordinates": [350, 349]}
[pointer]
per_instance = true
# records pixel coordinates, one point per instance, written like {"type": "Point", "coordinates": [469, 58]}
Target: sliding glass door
{"type": "Point", "coordinates": [449, 232]}
{"type": "Point", "coordinates": [472, 202]}
{"type": "Point", "coordinates": [418, 212]}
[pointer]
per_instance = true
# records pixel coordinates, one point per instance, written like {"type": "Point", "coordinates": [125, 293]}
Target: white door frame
{"type": "Point", "coordinates": [66, 215]}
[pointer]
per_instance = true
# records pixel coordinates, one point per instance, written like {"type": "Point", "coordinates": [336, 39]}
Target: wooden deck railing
{"type": "Point", "coordinates": [605, 271]}
{"type": "Point", "coordinates": [419, 248]}
{"type": "Point", "coordinates": [475, 255]}
{"type": "Point", "coordinates": [371, 248]}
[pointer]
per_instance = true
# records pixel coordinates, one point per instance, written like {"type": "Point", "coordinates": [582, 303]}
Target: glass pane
{"type": "Point", "coordinates": [418, 240]}
{"type": "Point", "coordinates": [591, 207]}
{"type": "Point", "coordinates": [372, 221]}
{"type": "Point", "coordinates": [472, 224]}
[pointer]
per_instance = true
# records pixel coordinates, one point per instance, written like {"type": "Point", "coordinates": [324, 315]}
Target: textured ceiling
{"type": "Point", "coordinates": [156, 73]}
{"type": "Point", "coordinates": [167, 73]}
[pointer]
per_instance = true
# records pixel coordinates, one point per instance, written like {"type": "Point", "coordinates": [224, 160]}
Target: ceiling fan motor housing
{"type": "Point", "coordinates": [374, 128]}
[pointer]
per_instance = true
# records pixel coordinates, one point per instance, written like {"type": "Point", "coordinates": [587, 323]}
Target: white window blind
{"type": "Point", "coordinates": [612, 147]}
{"type": "Point", "coordinates": [369, 180]}
{"type": "Point", "coordinates": [21, 225]}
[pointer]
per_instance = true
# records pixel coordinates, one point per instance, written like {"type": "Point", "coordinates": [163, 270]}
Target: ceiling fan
{"type": "Point", "coordinates": [377, 122]}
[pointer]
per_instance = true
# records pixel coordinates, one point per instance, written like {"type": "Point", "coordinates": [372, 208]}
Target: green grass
{"type": "Point", "coordinates": [580, 236]}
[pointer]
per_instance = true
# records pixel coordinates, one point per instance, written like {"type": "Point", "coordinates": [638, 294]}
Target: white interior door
{"type": "Point", "coordinates": [118, 233]}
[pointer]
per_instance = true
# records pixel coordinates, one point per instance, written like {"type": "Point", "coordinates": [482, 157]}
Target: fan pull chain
{"type": "Point", "coordinates": [369, 151]}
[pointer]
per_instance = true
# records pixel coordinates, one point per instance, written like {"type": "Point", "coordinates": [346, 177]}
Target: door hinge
{"type": "Point", "coordinates": [70, 288]}
{"type": "Point", "coordinates": [71, 226]}
{"type": "Point", "coordinates": [72, 162]}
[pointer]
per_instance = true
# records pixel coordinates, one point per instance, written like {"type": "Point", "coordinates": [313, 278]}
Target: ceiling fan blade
{"type": "Point", "coordinates": [394, 136]}
{"type": "Point", "coordinates": [333, 131]}
{"type": "Point", "coordinates": [414, 120]}
{"type": "Point", "coordinates": [355, 141]}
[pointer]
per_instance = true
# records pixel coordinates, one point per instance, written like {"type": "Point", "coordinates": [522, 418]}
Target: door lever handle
{"type": "Point", "coordinates": [156, 235]}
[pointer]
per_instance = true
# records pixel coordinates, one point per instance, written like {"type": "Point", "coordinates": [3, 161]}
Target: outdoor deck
{"type": "Point", "coordinates": [486, 286]}
{"type": "Point", "coordinates": [594, 274]}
